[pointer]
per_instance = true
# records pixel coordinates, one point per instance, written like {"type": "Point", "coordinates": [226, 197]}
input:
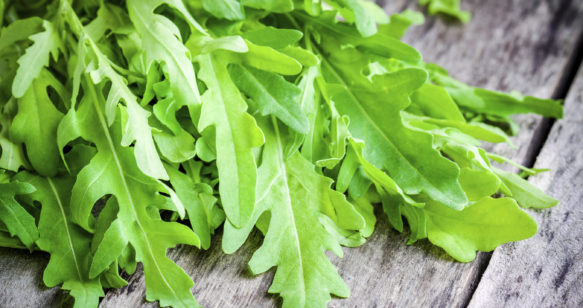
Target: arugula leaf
{"type": "Point", "coordinates": [36, 123]}
{"type": "Point", "coordinates": [272, 93]}
{"type": "Point", "coordinates": [276, 6]}
{"type": "Point", "coordinates": [6, 240]}
{"type": "Point", "coordinates": [491, 102]}
{"type": "Point", "coordinates": [312, 145]}
{"type": "Point", "coordinates": [296, 197]}
{"type": "Point", "coordinates": [100, 68]}
{"type": "Point", "coordinates": [481, 226]}
{"type": "Point", "coordinates": [200, 203]}
{"type": "Point", "coordinates": [526, 194]}
{"type": "Point", "coordinates": [448, 7]}
{"type": "Point", "coordinates": [273, 37]}
{"type": "Point", "coordinates": [12, 156]}
{"type": "Point", "coordinates": [354, 11]}
{"type": "Point", "coordinates": [227, 9]}
{"type": "Point", "coordinates": [236, 134]}
{"type": "Point", "coordinates": [268, 59]}
{"type": "Point", "coordinates": [113, 171]}
{"type": "Point", "coordinates": [36, 57]}
{"type": "Point", "coordinates": [162, 44]}
{"type": "Point", "coordinates": [379, 44]}
{"type": "Point", "coordinates": [19, 222]}
{"type": "Point", "coordinates": [399, 23]}
{"type": "Point", "coordinates": [67, 243]}
{"type": "Point", "coordinates": [413, 169]}
{"type": "Point", "coordinates": [18, 30]}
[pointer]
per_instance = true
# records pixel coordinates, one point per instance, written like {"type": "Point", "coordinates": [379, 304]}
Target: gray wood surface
{"type": "Point", "coordinates": [509, 45]}
{"type": "Point", "coordinates": [546, 270]}
{"type": "Point", "coordinates": [499, 49]}
{"type": "Point", "coordinates": [21, 282]}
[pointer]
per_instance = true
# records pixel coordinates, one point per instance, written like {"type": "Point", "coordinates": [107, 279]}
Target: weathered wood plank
{"type": "Point", "coordinates": [500, 49]}
{"type": "Point", "coordinates": [546, 270]}
{"type": "Point", "coordinates": [21, 282]}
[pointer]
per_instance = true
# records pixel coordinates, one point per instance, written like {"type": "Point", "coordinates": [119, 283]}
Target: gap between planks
{"type": "Point", "coordinates": [540, 137]}
{"type": "Point", "coordinates": [561, 91]}
{"type": "Point", "coordinates": [545, 271]}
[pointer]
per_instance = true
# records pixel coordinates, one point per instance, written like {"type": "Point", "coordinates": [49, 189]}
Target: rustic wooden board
{"type": "Point", "coordinates": [500, 49]}
{"type": "Point", "coordinates": [21, 282]}
{"type": "Point", "coordinates": [546, 270]}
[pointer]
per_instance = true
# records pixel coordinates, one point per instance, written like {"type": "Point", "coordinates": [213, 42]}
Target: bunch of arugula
{"type": "Point", "coordinates": [129, 128]}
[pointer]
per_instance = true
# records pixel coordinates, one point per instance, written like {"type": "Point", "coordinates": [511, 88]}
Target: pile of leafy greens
{"type": "Point", "coordinates": [130, 127]}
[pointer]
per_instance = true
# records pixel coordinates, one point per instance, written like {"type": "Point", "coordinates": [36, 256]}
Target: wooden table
{"type": "Point", "coordinates": [532, 46]}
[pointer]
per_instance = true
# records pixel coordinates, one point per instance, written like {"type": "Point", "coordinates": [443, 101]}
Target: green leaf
{"type": "Point", "coordinates": [354, 11]}
{"type": "Point", "coordinates": [508, 104]}
{"type": "Point", "coordinates": [236, 134]}
{"type": "Point", "coordinates": [19, 30]}
{"type": "Point", "coordinates": [481, 226]}
{"type": "Point", "coordinates": [303, 56]}
{"type": "Point", "coordinates": [174, 148]}
{"type": "Point", "coordinates": [2, 6]}
{"type": "Point", "coordinates": [478, 183]}
{"type": "Point", "coordinates": [435, 102]}
{"type": "Point", "coordinates": [36, 123]}
{"type": "Point", "coordinates": [227, 9]}
{"type": "Point", "coordinates": [526, 194]}
{"type": "Point", "coordinates": [268, 59]}
{"type": "Point", "coordinates": [19, 222]}
{"type": "Point", "coordinates": [276, 6]}
{"type": "Point", "coordinates": [12, 155]}
{"type": "Point", "coordinates": [113, 170]}
{"type": "Point", "coordinates": [36, 57]}
{"type": "Point", "coordinates": [491, 102]}
{"type": "Point", "coordinates": [273, 37]}
{"type": "Point", "coordinates": [476, 130]}
{"type": "Point", "coordinates": [6, 240]}
{"type": "Point", "coordinates": [407, 155]}
{"type": "Point", "coordinates": [204, 44]}
{"type": "Point", "coordinates": [448, 7]}
{"type": "Point", "coordinates": [137, 131]}
{"type": "Point", "coordinates": [312, 145]}
{"type": "Point", "coordinates": [311, 112]}
{"type": "Point", "coordinates": [296, 196]}
{"type": "Point", "coordinates": [162, 44]}
{"type": "Point", "coordinates": [399, 23]}
{"type": "Point", "coordinates": [417, 220]}
{"type": "Point", "coordinates": [67, 243]}
{"type": "Point", "coordinates": [203, 212]}
{"type": "Point", "coordinates": [378, 44]}
{"type": "Point", "coordinates": [273, 95]}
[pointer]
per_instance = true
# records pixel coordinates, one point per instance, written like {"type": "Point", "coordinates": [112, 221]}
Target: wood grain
{"type": "Point", "coordinates": [546, 270]}
{"type": "Point", "coordinates": [497, 50]}
{"type": "Point", "coordinates": [21, 282]}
